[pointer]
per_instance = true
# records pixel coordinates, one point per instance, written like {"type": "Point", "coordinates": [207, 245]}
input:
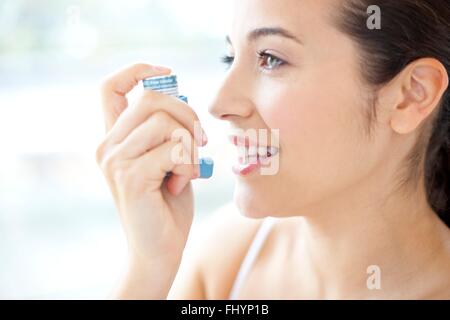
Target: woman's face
{"type": "Point", "coordinates": [306, 84]}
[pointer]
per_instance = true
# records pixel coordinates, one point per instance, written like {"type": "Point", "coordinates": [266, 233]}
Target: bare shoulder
{"type": "Point", "coordinates": [215, 250]}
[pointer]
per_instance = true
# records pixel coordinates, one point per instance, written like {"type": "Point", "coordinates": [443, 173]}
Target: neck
{"type": "Point", "coordinates": [396, 232]}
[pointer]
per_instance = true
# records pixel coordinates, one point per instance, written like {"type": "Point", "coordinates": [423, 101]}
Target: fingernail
{"type": "Point", "coordinates": [201, 138]}
{"type": "Point", "coordinates": [204, 138]}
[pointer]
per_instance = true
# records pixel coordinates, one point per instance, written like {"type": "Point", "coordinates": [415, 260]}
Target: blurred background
{"type": "Point", "coordinates": [60, 236]}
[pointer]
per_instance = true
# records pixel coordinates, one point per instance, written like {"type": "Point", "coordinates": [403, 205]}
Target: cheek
{"type": "Point", "coordinates": [308, 118]}
{"type": "Point", "coordinates": [320, 130]}
{"type": "Point", "coordinates": [319, 104]}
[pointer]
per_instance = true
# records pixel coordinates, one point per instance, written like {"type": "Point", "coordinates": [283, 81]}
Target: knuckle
{"type": "Point", "coordinates": [181, 134]}
{"type": "Point", "coordinates": [106, 84]}
{"type": "Point", "coordinates": [161, 118]}
{"type": "Point", "coordinates": [99, 152]}
{"type": "Point", "coordinates": [108, 164]}
{"type": "Point", "coordinates": [117, 172]}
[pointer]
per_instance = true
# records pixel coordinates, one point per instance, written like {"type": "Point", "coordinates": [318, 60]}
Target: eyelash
{"type": "Point", "coordinates": [262, 55]}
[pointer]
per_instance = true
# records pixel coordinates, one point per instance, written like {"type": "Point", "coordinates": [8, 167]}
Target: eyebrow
{"type": "Point", "coordinates": [265, 32]}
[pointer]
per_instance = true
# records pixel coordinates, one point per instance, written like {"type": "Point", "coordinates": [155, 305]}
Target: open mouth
{"type": "Point", "coordinates": [251, 156]}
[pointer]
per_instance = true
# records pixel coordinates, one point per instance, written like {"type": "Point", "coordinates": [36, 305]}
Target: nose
{"type": "Point", "coordinates": [233, 99]}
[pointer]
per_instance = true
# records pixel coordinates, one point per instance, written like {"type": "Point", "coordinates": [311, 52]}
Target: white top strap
{"type": "Point", "coordinates": [251, 255]}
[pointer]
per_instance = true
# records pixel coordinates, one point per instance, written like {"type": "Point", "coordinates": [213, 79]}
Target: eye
{"type": "Point", "coordinates": [227, 60]}
{"type": "Point", "coordinates": [268, 61]}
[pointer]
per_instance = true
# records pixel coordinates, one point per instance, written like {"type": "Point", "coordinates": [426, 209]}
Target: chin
{"type": "Point", "coordinates": [259, 199]}
{"type": "Point", "coordinates": [251, 203]}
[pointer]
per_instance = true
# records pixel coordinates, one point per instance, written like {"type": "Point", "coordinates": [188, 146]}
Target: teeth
{"type": "Point", "coordinates": [242, 152]}
{"type": "Point", "coordinates": [252, 151]}
{"type": "Point", "coordinates": [253, 159]}
{"type": "Point", "coordinates": [251, 154]}
{"type": "Point", "coordinates": [265, 160]}
{"type": "Point", "coordinates": [272, 151]}
{"type": "Point", "coordinates": [264, 152]}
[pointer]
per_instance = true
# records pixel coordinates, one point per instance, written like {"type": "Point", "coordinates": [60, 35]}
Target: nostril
{"type": "Point", "coordinates": [225, 117]}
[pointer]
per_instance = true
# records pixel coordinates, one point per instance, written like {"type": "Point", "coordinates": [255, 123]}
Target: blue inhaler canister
{"type": "Point", "coordinates": [169, 85]}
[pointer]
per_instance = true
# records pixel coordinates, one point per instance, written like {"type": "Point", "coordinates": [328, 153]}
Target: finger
{"type": "Point", "coordinates": [177, 183]}
{"type": "Point", "coordinates": [152, 102]}
{"type": "Point", "coordinates": [159, 161]}
{"type": "Point", "coordinates": [116, 86]}
{"type": "Point", "coordinates": [157, 129]}
{"type": "Point", "coordinates": [181, 176]}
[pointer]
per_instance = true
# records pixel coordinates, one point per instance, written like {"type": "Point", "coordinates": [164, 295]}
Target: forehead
{"type": "Point", "coordinates": [295, 15]}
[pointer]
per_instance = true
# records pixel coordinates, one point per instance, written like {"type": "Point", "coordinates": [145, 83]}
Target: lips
{"type": "Point", "coordinates": [251, 155]}
{"type": "Point", "coordinates": [253, 147]}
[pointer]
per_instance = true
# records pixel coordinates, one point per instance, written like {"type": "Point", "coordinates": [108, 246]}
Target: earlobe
{"type": "Point", "coordinates": [403, 121]}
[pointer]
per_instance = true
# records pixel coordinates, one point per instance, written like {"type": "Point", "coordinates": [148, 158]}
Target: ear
{"type": "Point", "coordinates": [420, 87]}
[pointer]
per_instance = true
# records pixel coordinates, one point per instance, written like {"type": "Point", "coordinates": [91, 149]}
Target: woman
{"type": "Point", "coordinates": [359, 207]}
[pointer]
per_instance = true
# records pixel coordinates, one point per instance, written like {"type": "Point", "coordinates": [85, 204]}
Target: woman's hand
{"type": "Point", "coordinates": [156, 211]}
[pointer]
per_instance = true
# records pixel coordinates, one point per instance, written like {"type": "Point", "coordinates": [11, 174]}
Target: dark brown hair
{"type": "Point", "coordinates": [410, 30]}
